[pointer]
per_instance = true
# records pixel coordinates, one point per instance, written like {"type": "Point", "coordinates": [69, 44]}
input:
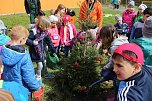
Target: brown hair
{"type": "Point", "coordinates": [107, 34]}
{"type": "Point", "coordinates": [60, 7]}
{"type": "Point", "coordinates": [18, 31]}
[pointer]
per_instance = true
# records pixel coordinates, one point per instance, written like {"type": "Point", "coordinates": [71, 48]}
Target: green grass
{"type": "Point", "coordinates": [23, 19]}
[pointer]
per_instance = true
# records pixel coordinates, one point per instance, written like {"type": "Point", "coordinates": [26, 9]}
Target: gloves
{"type": "Point", "coordinates": [37, 94]}
{"type": "Point", "coordinates": [35, 42]}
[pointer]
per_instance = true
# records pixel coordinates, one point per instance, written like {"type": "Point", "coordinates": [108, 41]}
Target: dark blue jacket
{"type": "Point", "coordinates": [18, 67]}
{"type": "Point", "coordinates": [122, 28]}
{"type": "Point", "coordinates": [37, 52]}
{"type": "Point", "coordinates": [136, 31]}
{"type": "Point", "coordinates": [137, 87]}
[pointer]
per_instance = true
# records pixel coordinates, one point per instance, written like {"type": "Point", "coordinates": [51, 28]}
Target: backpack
{"type": "Point", "coordinates": [3, 28]}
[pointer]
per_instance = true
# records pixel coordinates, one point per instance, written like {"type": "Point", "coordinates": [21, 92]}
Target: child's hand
{"type": "Point", "coordinates": [38, 94]}
{"type": "Point", "coordinates": [35, 42]}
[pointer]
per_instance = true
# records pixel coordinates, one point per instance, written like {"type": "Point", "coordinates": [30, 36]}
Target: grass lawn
{"type": "Point", "coordinates": [23, 19]}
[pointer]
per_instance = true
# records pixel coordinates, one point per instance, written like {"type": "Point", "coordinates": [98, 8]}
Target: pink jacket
{"type": "Point", "coordinates": [68, 40]}
{"type": "Point", "coordinates": [128, 17]}
{"type": "Point", "coordinates": [54, 35]}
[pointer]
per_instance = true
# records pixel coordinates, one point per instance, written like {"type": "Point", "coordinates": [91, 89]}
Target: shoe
{"type": "Point", "coordinates": [49, 75]}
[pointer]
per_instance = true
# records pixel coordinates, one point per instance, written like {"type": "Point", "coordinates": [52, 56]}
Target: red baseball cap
{"type": "Point", "coordinates": [133, 48]}
{"type": "Point", "coordinates": [66, 18]}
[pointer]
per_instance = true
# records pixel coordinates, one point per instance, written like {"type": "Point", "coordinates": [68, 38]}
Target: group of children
{"type": "Point", "coordinates": [56, 31]}
{"type": "Point", "coordinates": [129, 41]}
{"type": "Point", "coordinates": [17, 61]}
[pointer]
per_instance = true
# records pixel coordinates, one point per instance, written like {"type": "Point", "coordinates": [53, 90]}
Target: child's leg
{"type": "Point", "coordinates": [40, 66]}
{"type": "Point", "coordinates": [66, 50]}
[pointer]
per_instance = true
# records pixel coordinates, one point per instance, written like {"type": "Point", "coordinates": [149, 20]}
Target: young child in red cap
{"type": "Point", "coordinates": [67, 33]}
{"type": "Point", "coordinates": [135, 78]}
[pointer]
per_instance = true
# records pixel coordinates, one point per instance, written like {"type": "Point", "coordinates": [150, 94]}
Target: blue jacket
{"type": "Point", "coordinates": [136, 31]}
{"type": "Point", "coordinates": [146, 45]}
{"type": "Point", "coordinates": [18, 67]}
{"type": "Point", "coordinates": [137, 87]}
{"type": "Point", "coordinates": [122, 28]}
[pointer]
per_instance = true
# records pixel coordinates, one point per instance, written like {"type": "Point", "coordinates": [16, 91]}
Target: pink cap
{"type": "Point", "coordinates": [66, 18]}
{"type": "Point", "coordinates": [133, 48]}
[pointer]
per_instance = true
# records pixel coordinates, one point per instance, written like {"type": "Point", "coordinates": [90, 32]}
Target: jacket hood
{"type": "Point", "coordinates": [120, 40]}
{"type": "Point", "coordinates": [11, 57]}
{"type": "Point", "coordinates": [117, 42]}
{"type": "Point", "coordinates": [4, 39]}
{"type": "Point", "coordinates": [145, 44]}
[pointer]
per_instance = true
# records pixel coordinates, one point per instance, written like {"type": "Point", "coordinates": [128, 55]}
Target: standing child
{"type": "Point", "coordinates": [128, 16]}
{"type": "Point", "coordinates": [59, 13]}
{"type": "Point", "coordinates": [54, 33]}
{"type": "Point", "coordinates": [17, 63]}
{"type": "Point", "coordinates": [137, 27]}
{"type": "Point", "coordinates": [67, 33]}
{"type": "Point", "coordinates": [139, 16]}
{"type": "Point", "coordinates": [121, 28]}
{"type": "Point", "coordinates": [37, 41]}
{"type": "Point", "coordinates": [135, 78]}
{"type": "Point", "coordinates": [145, 42]}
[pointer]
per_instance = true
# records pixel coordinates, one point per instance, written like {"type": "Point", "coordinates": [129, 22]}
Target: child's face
{"type": "Point", "coordinates": [119, 21]}
{"type": "Point", "coordinates": [123, 69]}
{"type": "Point", "coordinates": [53, 24]}
{"type": "Point", "coordinates": [130, 8]}
{"type": "Point", "coordinates": [139, 11]}
{"type": "Point", "coordinates": [62, 12]}
{"type": "Point", "coordinates": [145, 17]}
{"type": "Point", "coordinates": [66, 23]}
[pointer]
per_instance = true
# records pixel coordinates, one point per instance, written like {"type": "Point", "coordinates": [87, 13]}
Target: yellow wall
{"type": "Point", "coordinates": [17, 6]}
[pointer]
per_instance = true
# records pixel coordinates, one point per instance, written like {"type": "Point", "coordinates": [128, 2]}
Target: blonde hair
{"type": "Point", "coordinates": [44, 22]}
{"type": "Point", "coordinates": [19, 31]}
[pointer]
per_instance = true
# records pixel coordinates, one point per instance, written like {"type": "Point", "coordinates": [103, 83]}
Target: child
{"type": "Point", "coordinates": [121, 28]}
{"type": "Point", "coordinates": [139, 16]}
{"type": "Point", "coordinates": [59, 13]}
{"type": "Point", "coordinates": [37, 41]}
{"type": "Point", "coordinates": [137, 27]}
{"type": "Point", "coordinates": [54, 33]}
{"type": "Point", "coordinates": [146, 41]}
{"type": "Point", "coordinates": [111, 39]}
{"type": "Point", "coordinates": [128, 15]}
{"type": "Point", "coordinates": [67, 33]}
{"type": "Point", "coordinates": [17, 63]}
{"type": "Point", "coordinates": [135, 78]}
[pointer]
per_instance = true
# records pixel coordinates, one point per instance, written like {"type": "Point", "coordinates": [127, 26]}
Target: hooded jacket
{"type": "Point", "coordinates": [18, 67]}
{"type": "Point", "coordinates": [146, 45]}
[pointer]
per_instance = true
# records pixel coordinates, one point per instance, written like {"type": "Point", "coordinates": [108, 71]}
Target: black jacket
{"type": "Point", "coordinates": [37, 52]}
{"type": "Point", "coordinates": [28, 6]}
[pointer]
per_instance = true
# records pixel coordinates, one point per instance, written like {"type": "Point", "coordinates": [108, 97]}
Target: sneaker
{"type": "Point", "coordinates": [49, 75]}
